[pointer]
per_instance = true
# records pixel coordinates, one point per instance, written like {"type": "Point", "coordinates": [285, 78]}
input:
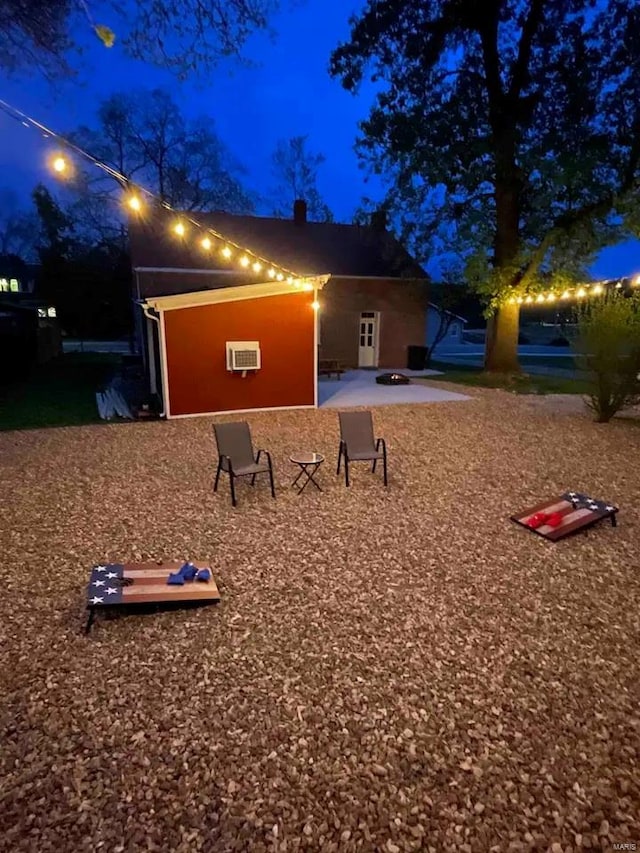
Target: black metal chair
{"type": "Point", "coordinates": [357, 443]}
{"type": "Point", "coordinates": [236, 456]}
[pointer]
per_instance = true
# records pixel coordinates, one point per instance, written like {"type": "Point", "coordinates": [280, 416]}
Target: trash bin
{"type": "Point", "coordinates": [416, 357]}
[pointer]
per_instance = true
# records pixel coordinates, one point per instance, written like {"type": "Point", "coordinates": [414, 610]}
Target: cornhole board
{"type": "Point", "coordinates": [579, 511]}
{"type": "Point", "coordinates": [147, 585]}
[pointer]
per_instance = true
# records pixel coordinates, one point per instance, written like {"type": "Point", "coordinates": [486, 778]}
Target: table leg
{"type": "Point", "coordinates": [310, 477]}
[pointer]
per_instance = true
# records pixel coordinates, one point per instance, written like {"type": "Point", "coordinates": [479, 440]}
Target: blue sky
{"type": "Point", "coordinates": [288, 92]}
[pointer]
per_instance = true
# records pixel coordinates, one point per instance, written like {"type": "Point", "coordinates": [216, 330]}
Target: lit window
{"type": "Point", "coordinates": [4, 285]}
{"type": "Point", "coordinates": [51, 312]}
{"type": "Point", "coordinates": [14, 287]}
{"type": "Point", "coordinates": [42, 312]}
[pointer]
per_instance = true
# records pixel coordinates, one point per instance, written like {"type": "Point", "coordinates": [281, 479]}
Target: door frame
{"type": "Point", "coordinates": [376, 336]}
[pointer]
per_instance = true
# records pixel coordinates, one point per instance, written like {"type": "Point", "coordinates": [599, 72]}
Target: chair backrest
{"type": "Point", "coordinates": [234, 440]}
{"type": "Point", "coordinates": [356, 430]}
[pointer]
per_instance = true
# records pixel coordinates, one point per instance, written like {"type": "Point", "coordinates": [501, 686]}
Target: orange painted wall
{"type": "Point", "coordinates": [198, 378]}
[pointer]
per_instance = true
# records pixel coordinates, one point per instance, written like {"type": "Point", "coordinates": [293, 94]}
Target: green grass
{"type": "Point", "coordinates": [518, 384]}
{"type": "Point", "coordinates": [60, 393]}
{"type": "Point", "coordinates": [566, 362]}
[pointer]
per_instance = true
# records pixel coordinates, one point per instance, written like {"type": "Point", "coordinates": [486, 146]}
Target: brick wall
{"type": "Point", "coordinates": [402, 306]}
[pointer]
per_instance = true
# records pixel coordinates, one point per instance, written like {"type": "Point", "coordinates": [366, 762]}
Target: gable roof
{"type": "Point", "coordinates": [310, 248]}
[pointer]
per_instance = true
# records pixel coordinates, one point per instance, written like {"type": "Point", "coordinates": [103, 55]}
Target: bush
{"type": "Point", "coordinates": [560, 341]}
{"type": "Point", "coordinates": [608, 348]}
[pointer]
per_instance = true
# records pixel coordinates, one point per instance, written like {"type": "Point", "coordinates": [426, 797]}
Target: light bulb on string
{"type": "Point", "coordinates": [529, 299]}
{"type": "Point", "coordinates": [133, 201]}
{"type": "Point", "coordinates": [279, 277]}
{"type": "Point", "coordinates": [244, 261]}
{"type": "Point", "coordinates": [540, 297]}
{"type": "Point", "coordinates": [257, 266]}
{"type": "Point", "coordinates": [205, 243]}
{"type": "Point", "coordinates": [581, 292]}
{"type": "Point", "coordinates": [226, 252]}
{"type": "Point", "coordinates": [59, 165]}
{"type": "Point", "coordinates": [551, 297]}
{"type": "Point", "coordinates": [289, 279]}
{"type": "Point", "coordinates": [519, 300]}
{"type": "Point", "coordinates": [618, 285]}
{"type": "Point", "coordinates": [597, 289]}
{"type": "Point", "coordinates": [566, 295]}
{"type": "Point", "coordinates": [271, 273]}
{"type": "Point", "coordinates": [179, 229]}
{"type": "Point", "coordinates": [315, 305]}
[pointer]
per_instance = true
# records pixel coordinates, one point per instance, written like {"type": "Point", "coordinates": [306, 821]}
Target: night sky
{"type": "Point", "coordinates": [287, 93]}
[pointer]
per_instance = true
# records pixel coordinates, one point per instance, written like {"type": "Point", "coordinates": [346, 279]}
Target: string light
{"type": "Point", "coordinates": [598, 289]}
{"type": "Point", "coordinates": [244, 261]}
{"type": "Point", "coordinates": [581, 292]}
{"type": "Point", "coordinates": [540, 297]}
{"type": "Point", "coordinates": [206, 243]}
{"type": "Point", "coordinates": [307, 287]}
{"type": "Point", "coordinates": [551, 297]}
{"type": "Point", "coordinates": [315, 305]}
{"type": "Point", "coordinates": [63, 167]}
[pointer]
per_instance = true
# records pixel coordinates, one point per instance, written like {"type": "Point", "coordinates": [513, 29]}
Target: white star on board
{"type": "Point", "coordinates": [112, 574]}
{"type": "Point", "coordinates": [98, 583]}
{"type": "Point", "coordinates": [100, 568]}
{"type": "Point", "coordinates": [96, 600]}
{"type": "Point", "coordinates": [609, 508]}
{"type": "Point", "coordinates": [110, 590]}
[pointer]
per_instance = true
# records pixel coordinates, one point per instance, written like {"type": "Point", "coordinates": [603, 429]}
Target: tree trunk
{"type": "Point", "coordinates": [501, 342]}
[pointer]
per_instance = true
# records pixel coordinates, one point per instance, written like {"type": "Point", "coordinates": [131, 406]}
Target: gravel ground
{"type": "Point", "coordinates": [388, 670]}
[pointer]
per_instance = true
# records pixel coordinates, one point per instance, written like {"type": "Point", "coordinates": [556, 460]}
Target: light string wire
{"type": "Point", "coordinates": [255, 261]}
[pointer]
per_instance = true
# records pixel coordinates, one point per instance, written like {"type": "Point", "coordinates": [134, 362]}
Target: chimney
{"type": "Point", "coordinates": [379, 220]}
{"type": "Point", "coordinates": [299, 211]}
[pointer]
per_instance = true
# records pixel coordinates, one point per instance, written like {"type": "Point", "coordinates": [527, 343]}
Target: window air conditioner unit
{"type": "Point", "coordinates": [243, 355]}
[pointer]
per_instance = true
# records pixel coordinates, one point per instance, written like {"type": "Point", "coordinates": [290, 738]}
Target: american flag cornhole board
{"type": "Point", "coordinates": [578, 512]}
{"type": "Point", "coordinates": [134, 584]}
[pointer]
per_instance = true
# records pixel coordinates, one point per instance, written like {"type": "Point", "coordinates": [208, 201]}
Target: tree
{"type": "Point", "coordinates": [296, 170]}
{"type": "Point", "coordinates": [147, 139]}
{"type": "Point", "coordinates": [510, 132]}
{"type": "Point", "coordinates": [446, 299]}
{"type": "Point", "coordinates": [17, 227]}
{"type": "Point", "coordinates": [183, 36]}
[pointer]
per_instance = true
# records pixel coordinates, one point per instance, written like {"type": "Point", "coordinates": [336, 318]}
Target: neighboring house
{"type": "Point", "coordinates": [360, 300]}
{"type": "Point", "coordinates": [452, 333]}
{"type": "Point", "coordinates": [29, 330]}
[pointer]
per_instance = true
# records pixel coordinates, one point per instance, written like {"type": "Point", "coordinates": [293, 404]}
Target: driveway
{"type": "Point", "coordinates": [359, 388]}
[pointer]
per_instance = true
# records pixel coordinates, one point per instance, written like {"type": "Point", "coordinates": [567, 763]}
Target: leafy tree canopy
{"type": "Point", "coordinates": [181, 35]}
{"type": "Point", "coordinates": [509, 129]}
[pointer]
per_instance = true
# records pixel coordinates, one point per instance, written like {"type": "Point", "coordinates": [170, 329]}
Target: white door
{"type": "Point", "coordinates": [368, 339]}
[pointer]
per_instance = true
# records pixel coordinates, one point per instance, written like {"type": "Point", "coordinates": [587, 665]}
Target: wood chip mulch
{"type": "Point", "coordinates": [388, 670]}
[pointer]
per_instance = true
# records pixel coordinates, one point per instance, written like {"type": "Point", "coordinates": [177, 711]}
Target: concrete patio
{"type": "Point", "coordinates": [359, 388]}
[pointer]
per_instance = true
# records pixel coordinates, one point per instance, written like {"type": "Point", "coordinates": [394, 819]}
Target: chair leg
{"type": "Point", "coordinates": [273, 491]}
{"type": "Point", "coordinates": [233, 489]}
{"type": "Point", "coordinates": [339, 458]}
{"type": "Point", "coordinates": [384, 464]}
{"type": "Point", "coordinates": [215, 485]}
{"type": "Point", "coordinates": [346, 468]}
{"type": "Point", "coordinates": [373, 467]}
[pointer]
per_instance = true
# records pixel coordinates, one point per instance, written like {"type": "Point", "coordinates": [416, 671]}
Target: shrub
{"type": "Point", "coordinates": [608, 349]}
{"type": "Point", "coordinates": [560, 341]}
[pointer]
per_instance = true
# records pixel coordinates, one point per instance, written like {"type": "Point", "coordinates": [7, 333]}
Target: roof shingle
{"type": "Point", "coordinates": [312, 248]}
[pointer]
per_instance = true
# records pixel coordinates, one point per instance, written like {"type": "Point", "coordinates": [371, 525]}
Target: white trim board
{"type": "Point", "coordinates": [231, 294]}
{"type": "Point", "coordinates": [242, 411]}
